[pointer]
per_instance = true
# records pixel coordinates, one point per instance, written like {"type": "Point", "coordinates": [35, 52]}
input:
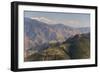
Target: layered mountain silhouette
{"type": "Point", "coordinates": [54, 42]}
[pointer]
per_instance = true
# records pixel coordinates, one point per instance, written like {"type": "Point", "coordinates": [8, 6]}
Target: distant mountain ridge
{"type": "Point", "coordinates": [84, 29]}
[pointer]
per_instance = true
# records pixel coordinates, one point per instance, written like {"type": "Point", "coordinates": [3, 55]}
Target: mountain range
{"type": "Point", "coordinates": [38, 35]}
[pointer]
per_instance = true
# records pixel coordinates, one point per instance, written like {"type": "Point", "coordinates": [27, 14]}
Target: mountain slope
{"type": "Point", "coordinates": [80, 46]}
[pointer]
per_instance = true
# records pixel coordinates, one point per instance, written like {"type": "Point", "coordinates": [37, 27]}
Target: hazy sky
{"type": "Point", "coordinates": [71, 19]}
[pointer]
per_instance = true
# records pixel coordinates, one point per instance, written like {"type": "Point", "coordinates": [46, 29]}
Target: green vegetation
{"type": "Point", "coordinates": [55, 53]}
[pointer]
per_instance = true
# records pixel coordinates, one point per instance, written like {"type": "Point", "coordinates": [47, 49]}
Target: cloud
{"type": "Point", "coordinates": [45, 20]}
